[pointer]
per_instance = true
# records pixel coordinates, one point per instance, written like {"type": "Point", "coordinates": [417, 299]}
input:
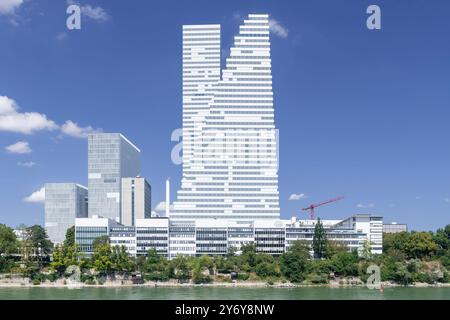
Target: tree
{"type": "Point", "coordinates": [8, 240]}
{"type": "Point", "coordinates": [248, 257]}
{"type": "Point", "coordinates": [320, 242]}
{"type": "Point", "coordinates": [37, 241]}
{"type": "Point", "coordinates": [120, 259]}
{"type": "Point", "coordinates": [295, 262]}
{"type": "Point", "coordinates": [180, 268]}
{"type": "Point", "coordinates": [334, 248]}
{"type": "Point", "coordinates": [421, 245]}
{"type": "Point", "coordinates": [101, 259]}
{"type": "Point", "coordinates": [395, 241]}
{"type": "Point", "coordinates": [366, 252]}
{"type": "Point", "coordinates": [70, 237]}
{"type": "Point", "coordinates": [57, 265]}
{"type": "Point", "coordinates": [442, 238]}
{"type": "Point", "coordinates": [266, 269]}
{"type": "Point", "coordinates": [345, 263]}
{"type": "Point", "coordinates": [154, 262]}
{"type": "Point", "coordinates": [100, 240]}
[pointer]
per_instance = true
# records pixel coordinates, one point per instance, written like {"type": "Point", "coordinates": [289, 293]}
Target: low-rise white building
{"type": "Point", "coordinates": [218, 236]}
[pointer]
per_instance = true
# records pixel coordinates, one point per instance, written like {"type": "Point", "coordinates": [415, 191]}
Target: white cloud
{"type": "Point", "coordinates": [36, 197]}
{"type": "Point", "coordinates": [162, 207]}
{"type": "Point", "coordinates": [28, 164]}
{"type": "Point", "coordinates": [72, 129]}
{"type": "Point", "coordinates": [12, 120]}
{"type": "Point", "coordinates": [94, 13]}
{"type": "Point", "coordinates": [20, 147]}
{"type": "Point", "coordinates": [296, 196]}
{"type": "Point", "coordinates": [22, 122]}
{"type": "Point", "coordinates": [364, 206]}
{"type": "Point", "coordinates": [9, 6]}
{"type": "Point", "coordinates": [277, 29]}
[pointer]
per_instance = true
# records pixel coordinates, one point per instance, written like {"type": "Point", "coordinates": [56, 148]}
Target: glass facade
{"type": "Point", "coordinates": [111, 157]}
{"type": "Point", "coordinates": [86, 235]}
{"type": "Point", "coordinates": [63, 203]}
{"type": "Point", "coordinates": [230, 166]}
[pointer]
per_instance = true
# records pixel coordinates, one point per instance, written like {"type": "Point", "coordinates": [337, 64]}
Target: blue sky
{"type": "Point", "coordinates": [362, 113]}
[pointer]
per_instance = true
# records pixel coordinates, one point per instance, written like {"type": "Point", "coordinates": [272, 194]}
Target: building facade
{"type": "Point", "coordinates": [217, 237]}
{"type": "Point", "coordinates": [111, 157]}
{"type": "Point", "coordinates": [63, 203]}
{"type": "Point", "coordinates": [89, 229]}
{"type": "Point", "coordinates": [395, 227]}
{"type": "Point", "coordinates": [230, 167]}
{"type": "Point", "coordinates": [135, 200]}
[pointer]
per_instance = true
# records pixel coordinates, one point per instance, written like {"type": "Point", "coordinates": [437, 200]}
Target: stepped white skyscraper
{"type": "Point", "coordinates": [230, 168]}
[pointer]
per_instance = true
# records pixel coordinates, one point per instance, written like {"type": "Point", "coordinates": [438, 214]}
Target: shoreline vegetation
{"type": "Point", "coordinates": [343, 283]}
{"type": "Point", "coordinates": [416, 259]}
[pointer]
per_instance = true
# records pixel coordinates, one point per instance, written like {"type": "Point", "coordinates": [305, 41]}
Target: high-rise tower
{"type": "Point", "coordinates": [111, 157]}
{"type": "Point", "coordinates": [230, 168]}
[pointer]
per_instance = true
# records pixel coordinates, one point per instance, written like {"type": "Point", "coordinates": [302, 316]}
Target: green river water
{"type": "Point", "coordinates": [202, 293]}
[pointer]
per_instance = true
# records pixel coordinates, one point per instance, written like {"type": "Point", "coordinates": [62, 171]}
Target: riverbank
{"type": "Point", "coordinates": [340, 283]}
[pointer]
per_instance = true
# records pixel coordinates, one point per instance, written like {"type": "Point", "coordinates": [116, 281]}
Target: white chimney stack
{"type": "Point", "coordinates": [167, 197]}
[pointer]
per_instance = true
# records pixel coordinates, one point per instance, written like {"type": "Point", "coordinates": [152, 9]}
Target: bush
{"type": "Point", "coordinates": [243, 276]}
{"type": "Point", "coordinates": [199, 278]}
{"type": "Point", "coordinates": [36, 282]}
{"type": "Point", "coordinates": [86, 277]}
{"type": "Point", "coordinates": [424, 277]}
{"type": "Point", "coordinates": [52, 277]}
{"type": "Point", "coordinates": [318, 278]}
{"type": "Point", "coordinates": [156, 276]}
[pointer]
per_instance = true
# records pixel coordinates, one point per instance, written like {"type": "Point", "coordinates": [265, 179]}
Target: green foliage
{"type": "Point", "coordinates": [421, 245]}
{"type": "Point", "coordinates": [265, 270]}
{"type": "Point", "coordinates": [199, 277]}
{"type": "Point", "coordinates": [8, 240]}
{"type": "Point", "coordinates": [179, 268]}
{"type": "Point", "coordinates": [334, 248]}
{"type": "Point", "coordinates": [156, 276]}
{"type": "Point", "coordinates": [6, 264]}
{"type": "Point", "coordinates": [243, 276]}
{"type": "Point", "coordinates": [320, 242]}
{"type": "Point", "coordinates": [102, 258]}
{"type": "Point", "coordinates": [38, 239]}
{"type": "Point", "coordinates": [100, 241]}
{"type": "Point", "coordinates": [70, 237]}
{"type": "Point", "coordinates": [366, 252]}
{"type": "Point", "coordinates": [318, 278]}
{"type": "Point", "coordinates": [295, 262]}
{"type": "Point", "coordinates": [345, 264]}
{"type": "Point", "coordinates": [120, 260]}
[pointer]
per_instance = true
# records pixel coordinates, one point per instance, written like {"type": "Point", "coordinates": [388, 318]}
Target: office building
{"type": "Point", "coordinates": [111, 157]}
{"type": "Point", "coordinates": [230, 168]}
{"type": "Point", "coordinates": [216, 237]}
{"type": "Point", "coordinates": [136, 200]}
{"type": "Point", "coordinates": [89, 229]}
{"type": "Point", "coordinates": [394, 227]}
{"type": "Point", "coordinates": [63, 203]}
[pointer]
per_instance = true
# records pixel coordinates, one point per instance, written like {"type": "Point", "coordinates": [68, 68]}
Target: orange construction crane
{"type": "Point", "coordinates": [313, 206]}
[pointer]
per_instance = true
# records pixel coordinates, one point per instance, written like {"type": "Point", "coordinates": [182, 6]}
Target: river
{"type": "Point", "coordinates": [199, 293]}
